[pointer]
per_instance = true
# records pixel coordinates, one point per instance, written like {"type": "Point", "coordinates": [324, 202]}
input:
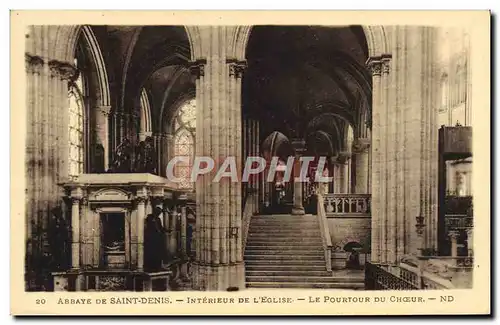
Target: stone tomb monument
{"type": "Point", "coordinates": [108, 215]}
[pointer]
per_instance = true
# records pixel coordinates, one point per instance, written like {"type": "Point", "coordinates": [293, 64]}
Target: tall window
{"type": "Point", "coordinates": [460, 82]}
{"type": "Point", "coordinates": [444, 93]}
{"type": "Point", "coordinates": [185, 130]}
{"type": "Point", "coordinates": [76, 127]}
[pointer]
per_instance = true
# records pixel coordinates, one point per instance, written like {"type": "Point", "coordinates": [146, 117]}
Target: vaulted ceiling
{"type": "Point", "coordinates": [304, 81]}
{"type": "Point", "coordinates": [150, 57]}
{"type": "Point", "coordinates": [308, 82]}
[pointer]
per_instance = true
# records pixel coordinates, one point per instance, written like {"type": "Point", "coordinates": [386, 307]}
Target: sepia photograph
{"type": "Point", "coordinates": [316, 157]}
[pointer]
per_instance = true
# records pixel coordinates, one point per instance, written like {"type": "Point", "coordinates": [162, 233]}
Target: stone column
{"type": "Point", "coordinates": [167, 152]}
{"type": "Point", "coordinates": [360, 149]}
{"type": "Point", "coordinates": [219, 264]}
{"type": "Point", "coordinates": [378, 235]}
{"type": "Point", "coordinates": [172, 232]}
{"type": "Point", "coordinates": [76, 196]}
{"type": "Point", "coordinates": [470, 241]}
{"type": "Point", "coordinates": [453, 243]}
{"type": "Point", "coordinates": [299, 145]}
{"type": "Point", "coordinates": [102, 131]}
{"type": "Point", "coordinates": [166, 225]}
{"type": "Point", "coordinates": [343, 169]}
{"type": "Point", "coordinates": [141, 217]}
{"type": "Point", "coordinates": [404, 146]}
{"type": "Point", "coordinates": [183, 232]}
{"type": "Point", "coordinates": [46, 143]}
{"type": "Point", "coordinates": [256, 154]}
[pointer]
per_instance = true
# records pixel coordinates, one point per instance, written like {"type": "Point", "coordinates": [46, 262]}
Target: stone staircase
{"type": "Point", "coordinates": [286, 251]}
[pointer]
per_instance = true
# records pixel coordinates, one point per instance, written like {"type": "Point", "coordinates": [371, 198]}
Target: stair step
{"type": "Point", "coordinates": [284, 263]}
{"type": "Point", "coordinates": [283, 267]}
{"type": "Point", "coordinates": [311, 252]}
{"type": "Point", "coordinates": [288, 257]}
{"type": "Point", "coordinates": [304, 279]}
{"type": "Point", "coordinates": [299, 273]}
{"type": "Point", "coordinates": [284, 222]}
{"type": "Point", "coordinates": [294, 234]}
{"type": "Point", "coordinates": [276, 228]}
{"type": "Point", "coordinates": [283, 246]}
{"type": "Point", "coordinates": [321, 285]}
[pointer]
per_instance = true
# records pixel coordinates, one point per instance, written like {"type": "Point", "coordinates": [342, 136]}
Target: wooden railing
{"type": "Point", "coordinates": [347, 203]}
{"type": "Point", "coordinates": [325, 233]}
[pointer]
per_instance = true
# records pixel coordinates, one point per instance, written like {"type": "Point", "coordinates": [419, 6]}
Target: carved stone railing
{"type": "Point", "coordinates": [458, 222]}
{"type": "Point", "coordinates": [383, 277]}
{"type": "Point", "coordinates": [423, 273]}
{"type": "Point", "coordinates": [325, 233]}
{"type": "Point", "coordinates": [347, 203]}
{"type": "Point", "coordinates": [249, 209]}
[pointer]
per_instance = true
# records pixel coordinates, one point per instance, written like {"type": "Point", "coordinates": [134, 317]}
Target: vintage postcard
{"type": "Point", "coordinates": [250, 163]}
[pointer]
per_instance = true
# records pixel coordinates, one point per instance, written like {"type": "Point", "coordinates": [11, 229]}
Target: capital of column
{"type": "Point", "coordinates": [343, 157]}
{"type": "Point", "coordinates": [63, 70]}
{"type": "Point", "coordinates": [236, 67]}
{"type": "Point", "coordinates": [379, 64]}
{"type": "Point", "coordinates": [299, 145]}
{"type": "Point", "coordinates": [361, 145]}
{"type": "Point", "coordinates": [76, 194]}
{"type": "Point", "coordinates": [144, 135]}
{"type": "Point", "coordinates": [141, 195]}
{"type": "Point", "coordinates": [105, 110]}
{"type": "Point", "coordinates": [375, 66]}
{"type": "Point", "coordinates": [34, 63]}
{"type": "Point", "coordinates": [197, 68]}
{"type": "Point", "coordinates": [453, 234]}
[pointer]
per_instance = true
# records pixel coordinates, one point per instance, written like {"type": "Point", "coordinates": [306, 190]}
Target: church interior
{"type": "Point", "coordinates": [110, 106]}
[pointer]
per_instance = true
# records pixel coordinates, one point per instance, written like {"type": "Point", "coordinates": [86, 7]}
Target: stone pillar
{"type": "Point", "coordinates": [141, 217]}
{"type": "Point", "coordinates": [183, 231]}
{"type": "Point", "coordinates": [46, 143]}
{"type": "Point", "coordinates": [453, 243]}
{"type": "Point", "coordinates": [75, 228]}
{"type": "Point", "coordinates": [343, 171]}
{"type": "Point", "coordinates": [360, 149]}
{"type": "Point", "coordinates": [470, 241]}
{"type": "Point", "coordinates": [172, 232]}
{"type": "Point", "coordinates": [102, 131]}
{"type": "Point", "coordinates": [219, 263]}
{"type": "Point", "coordinates": [167, 152]}
{"type": "Point", "coordinates": [404, 146]}
{"type": "Point", "coordinates": [298, 206]}
{"type": "Point", "coordinates": [166, 224]}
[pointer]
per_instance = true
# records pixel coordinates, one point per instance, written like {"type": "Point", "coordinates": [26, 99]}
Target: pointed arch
{"type": "Point", "coordinates": [145, 111]}
{"type": "Point", "coordinates": [100, 65]}
{"type": "Point", "coordinates": [376, 39]}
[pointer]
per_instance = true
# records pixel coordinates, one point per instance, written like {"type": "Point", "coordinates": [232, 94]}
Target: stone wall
{"type": "Point", "coordinates": [344, 229]}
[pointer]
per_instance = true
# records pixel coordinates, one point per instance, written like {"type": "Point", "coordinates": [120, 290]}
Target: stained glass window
{"type": "Point", "coordinates": [185, 126]}
{"type": "Point", "coordinates": [76, 128]}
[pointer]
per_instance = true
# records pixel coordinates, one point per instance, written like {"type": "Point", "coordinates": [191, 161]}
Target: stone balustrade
{"type": "Point", "coordinates": [347, 203]}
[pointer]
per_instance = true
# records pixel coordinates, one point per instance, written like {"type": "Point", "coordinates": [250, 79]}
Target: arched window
{"type": "Point", "coordinates": [76, 126]}
{"type": "Point", "coordinates": [444, 93]}
{"type": "Point", "coordinates": [185, 130]}
{"type": "Point", "coordinates": [460, 84]}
